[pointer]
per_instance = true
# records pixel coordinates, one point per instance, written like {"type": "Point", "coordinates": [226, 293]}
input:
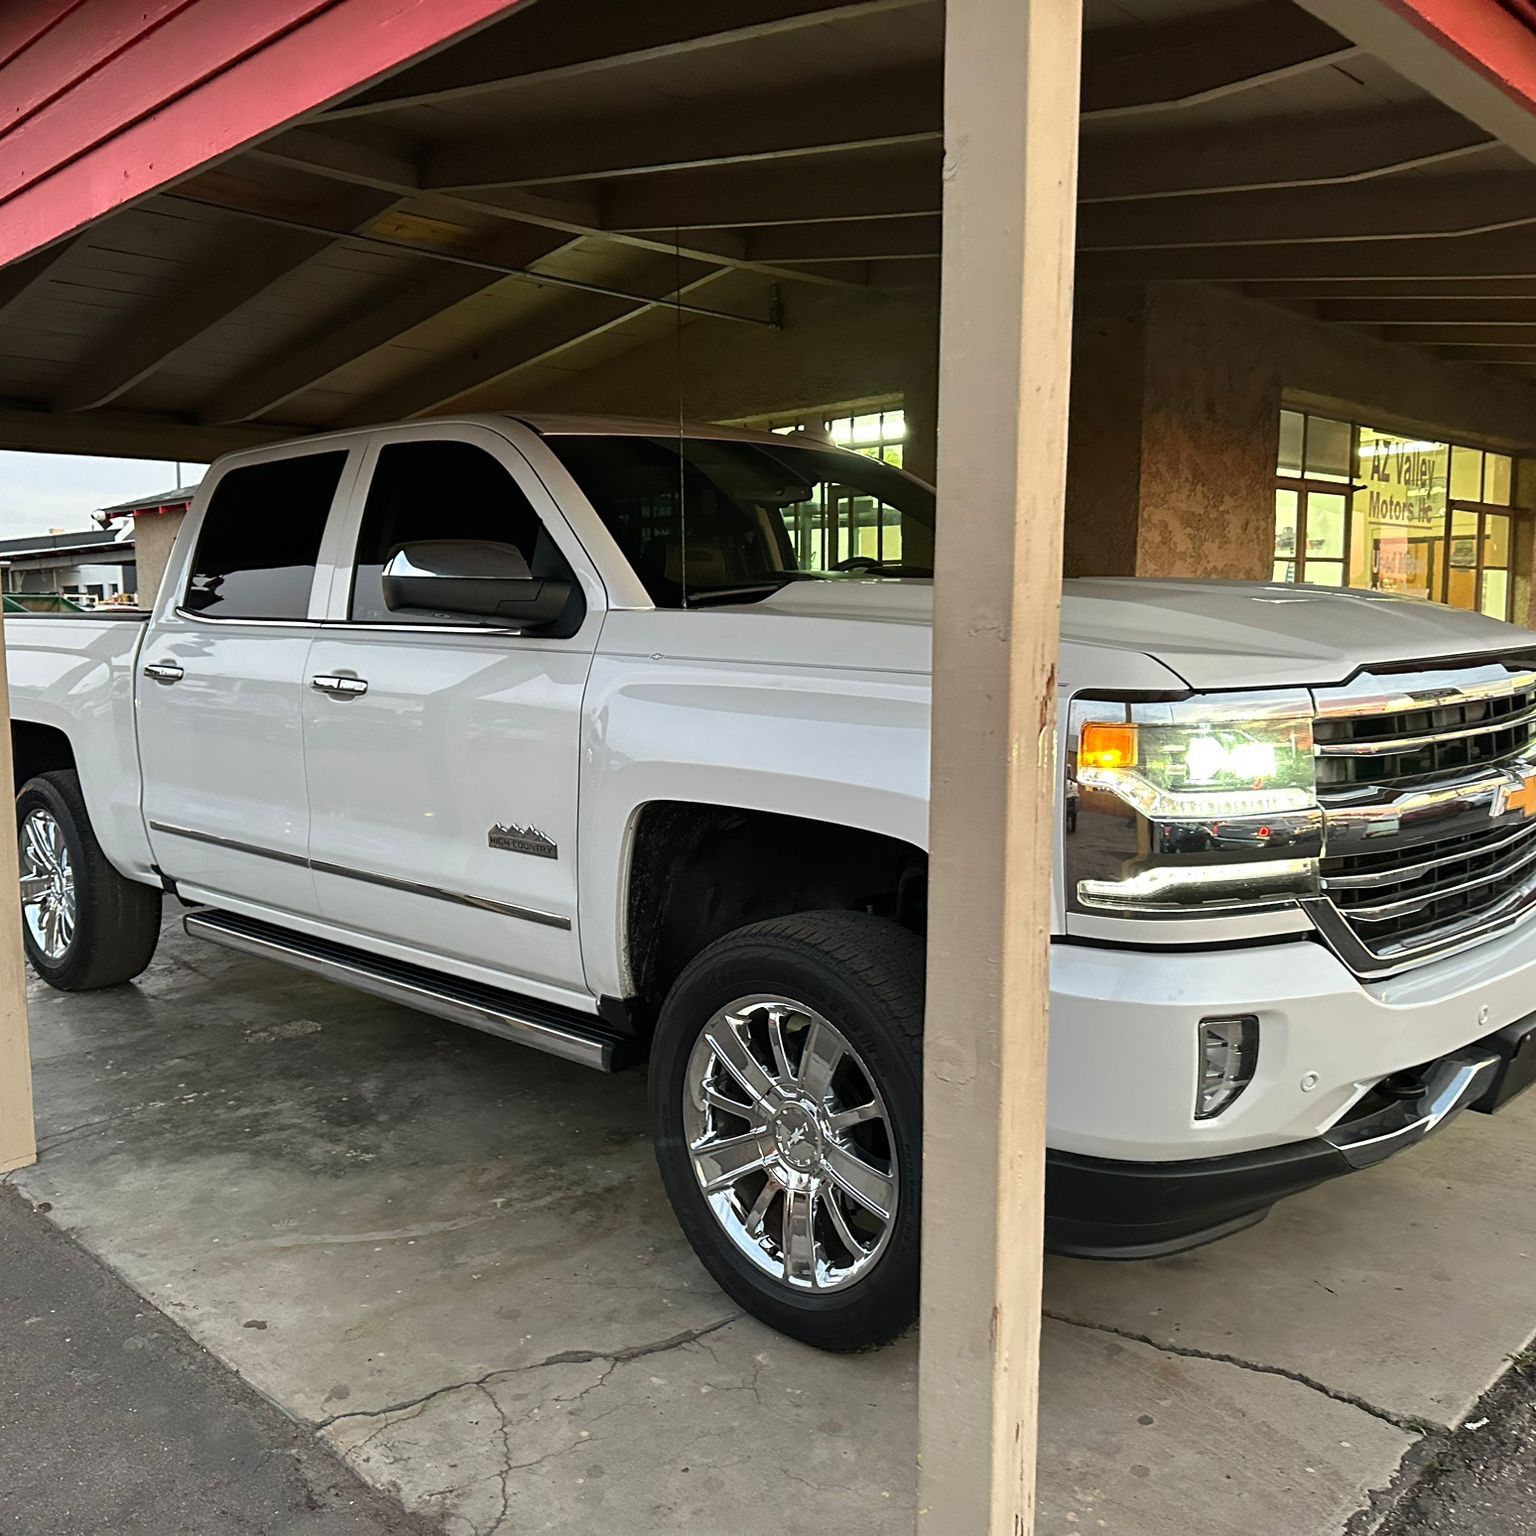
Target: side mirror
{"type": "Point", "coordinates": [472, 577]}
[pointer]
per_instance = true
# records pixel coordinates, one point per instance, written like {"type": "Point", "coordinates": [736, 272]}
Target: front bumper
{"type": "Point", "coordinates": [1102, 1209]}
{"type": "Point", "coordinates": [1124, 1060]}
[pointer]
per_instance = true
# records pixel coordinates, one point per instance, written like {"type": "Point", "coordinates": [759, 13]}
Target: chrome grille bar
{"type": "Point", "coordinates": [1412, 769]}
{"type": "Point", "coordinates": [1401, 874]}
{"type": "Point", "coordinates": [1377, 745]}
{"type": "Point", "coordinates": [1380, 911]}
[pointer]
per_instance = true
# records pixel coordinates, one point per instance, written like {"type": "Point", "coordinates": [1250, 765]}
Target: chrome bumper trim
{"type": "Point", "coordinates": [1450, 1085]}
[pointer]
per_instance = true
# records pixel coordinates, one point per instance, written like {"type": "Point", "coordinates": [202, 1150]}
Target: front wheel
{"type": "Point", "coordinates": [786, 1107]}
{"type": "Point", "coordinates": [83, 925]}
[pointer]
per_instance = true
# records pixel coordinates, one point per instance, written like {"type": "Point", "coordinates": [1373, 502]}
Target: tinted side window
{"type": "Point", "coordinates": [256, 552]}
{"type": "Point", "coordinates": [441, 490]}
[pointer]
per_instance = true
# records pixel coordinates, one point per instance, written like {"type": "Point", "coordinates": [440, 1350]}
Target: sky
{"type": "Point", "coordinates": [42, 491]}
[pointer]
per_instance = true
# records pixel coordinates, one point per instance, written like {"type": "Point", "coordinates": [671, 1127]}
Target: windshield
{"type": "Point", "coordinates": [708, 519]}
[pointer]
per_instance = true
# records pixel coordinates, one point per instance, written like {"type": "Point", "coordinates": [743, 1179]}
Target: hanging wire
{"type": "Point", "coordinates": [682, 485]}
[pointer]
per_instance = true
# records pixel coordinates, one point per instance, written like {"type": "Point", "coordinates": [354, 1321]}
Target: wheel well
{"type": "Point", "coordinates": [38, 749]}
{"type": "Point", "coordinates": [699, 871]}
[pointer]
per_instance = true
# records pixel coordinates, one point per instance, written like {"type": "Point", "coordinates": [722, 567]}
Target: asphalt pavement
{"type": "Point", "coordinates": [114, 1423]}
{"type": "Point", "coordinates": [1479, 1480]}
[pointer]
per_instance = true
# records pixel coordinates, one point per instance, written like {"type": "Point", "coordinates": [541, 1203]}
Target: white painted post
{"type": "Point", "coordinates": [1010, 132]}
{"type": "Point", "coordinates": [18, 1138]}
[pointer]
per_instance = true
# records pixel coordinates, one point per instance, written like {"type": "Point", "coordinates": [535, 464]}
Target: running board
{"type": "Point", "coordinates": [545, 1026]}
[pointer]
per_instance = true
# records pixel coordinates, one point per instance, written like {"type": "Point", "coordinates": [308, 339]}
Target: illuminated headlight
{"type": "Point", "coordinates": [1229, 1052]}
{"type": "Point", "coordinates": [1192, 804]}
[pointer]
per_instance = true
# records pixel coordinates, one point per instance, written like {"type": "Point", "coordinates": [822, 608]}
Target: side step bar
{"type": "Point", "coordinates": [546, 1027]}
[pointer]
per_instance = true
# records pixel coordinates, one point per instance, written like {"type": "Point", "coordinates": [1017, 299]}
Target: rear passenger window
{"type": "Point", "coordinates": [441, 490]}
{"type": "Point", "coordinates": [256, 550]}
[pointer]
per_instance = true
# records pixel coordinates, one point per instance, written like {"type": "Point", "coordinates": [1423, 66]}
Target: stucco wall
{"type": "Point", "coordinates": [1176, 396]}
{"type": "Point", "coordinates": [153, 536]}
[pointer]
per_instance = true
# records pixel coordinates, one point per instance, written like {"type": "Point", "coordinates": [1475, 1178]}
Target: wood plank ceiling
{"type": "Point", "coordinates": [528, 203]}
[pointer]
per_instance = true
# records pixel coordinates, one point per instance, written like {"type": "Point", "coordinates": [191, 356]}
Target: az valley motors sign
{"type": "Point", "coordinates": [1404, 480]}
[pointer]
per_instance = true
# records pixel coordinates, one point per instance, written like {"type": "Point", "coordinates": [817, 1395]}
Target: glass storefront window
{"type": "Point", "coordinates": [1467, 474]}
{"type": "Point", "coordinates": [1291, 426]}
{"type": "Point", "coordinates": [1421, 518]}
{"type": "Point", "coordinates": [1328, 449]}
{"type": "Point", "coordinates": [1495, 539]}
{"type": "Point", "coordinates": [841, 526]}
{"type": "Point", "coordinates": [1498, 480]}
{"type": "Point", "coordinates": [1325, 526]}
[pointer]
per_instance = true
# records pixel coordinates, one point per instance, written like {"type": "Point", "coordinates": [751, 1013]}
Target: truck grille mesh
{"type": "Point", "coordinates": [1415, 863]}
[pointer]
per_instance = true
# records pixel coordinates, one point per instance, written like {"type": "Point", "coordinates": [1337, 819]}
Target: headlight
{"type": "Point", "coordinates": [1192, 805]}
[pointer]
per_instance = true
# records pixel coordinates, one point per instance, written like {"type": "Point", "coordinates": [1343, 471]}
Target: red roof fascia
{"type": "Point", "coordinates": [1496, 37]}
{"type": "Point", "coordinates": [106, 100]}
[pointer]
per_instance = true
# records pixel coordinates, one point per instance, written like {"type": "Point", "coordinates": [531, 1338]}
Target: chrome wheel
{"type": "Point", "coordinates": [791, 1142]}
{"type": "Point", "coordinates": [47, 885]}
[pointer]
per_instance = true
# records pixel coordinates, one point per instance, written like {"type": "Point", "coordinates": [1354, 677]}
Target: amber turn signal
{"type": "Point", "coordinates": [1107, 746]}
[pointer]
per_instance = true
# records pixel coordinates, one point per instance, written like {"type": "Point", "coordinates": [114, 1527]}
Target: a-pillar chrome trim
{"type": "Point", "coordinates": [320, 867]}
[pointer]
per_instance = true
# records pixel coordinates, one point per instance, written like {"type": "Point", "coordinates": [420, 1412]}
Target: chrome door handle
{"type": "Point", "coordinates": [163, 671]}
{"type": "Point", "coordinates": [341, 687]}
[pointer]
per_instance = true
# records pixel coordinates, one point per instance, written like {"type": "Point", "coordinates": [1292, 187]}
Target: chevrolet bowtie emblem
{"type": "Point", "coordinates": [1516, 797]}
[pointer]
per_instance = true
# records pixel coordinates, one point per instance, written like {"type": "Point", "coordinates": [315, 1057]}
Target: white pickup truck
{"type": "Point", "coordinates": [613, 740]}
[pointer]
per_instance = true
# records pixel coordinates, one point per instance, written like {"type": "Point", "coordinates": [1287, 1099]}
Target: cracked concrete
{"type": "Point", "coordinates": [452, 1259]}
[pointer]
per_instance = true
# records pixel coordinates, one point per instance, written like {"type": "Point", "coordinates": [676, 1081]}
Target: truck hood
{"type": "Point", "coordinates": [1130, 634]}
{"type": "Point", "coordinates": [1225, 634]}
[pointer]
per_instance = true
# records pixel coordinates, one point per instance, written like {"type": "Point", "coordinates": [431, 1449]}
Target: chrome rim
{"type": "Point", "coordinates": [791, 1143]}
{"type": "Point", "coordinates": [47, 885]}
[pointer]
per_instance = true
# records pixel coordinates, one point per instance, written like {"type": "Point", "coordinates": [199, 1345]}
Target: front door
{"type": "Point", "coordinates": [444, 752]}
{"type": "Point", "coordinates": [221, 690]}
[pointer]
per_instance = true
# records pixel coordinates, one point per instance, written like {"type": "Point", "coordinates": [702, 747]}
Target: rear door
{"type": "Point", "coordinates": [444, 753]}
{"type": "Point", "coordinates": [222, 683]}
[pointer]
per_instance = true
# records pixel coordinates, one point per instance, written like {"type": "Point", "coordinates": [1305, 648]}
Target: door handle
{"type": "Point", "coordinates": [164, 671]}
{"type": "Point", "coordinates": [339, 687]}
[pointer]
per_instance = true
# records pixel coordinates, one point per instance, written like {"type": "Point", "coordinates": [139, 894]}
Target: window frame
{"type": "Point", "coordinates": [177, 580]}
{"type": "Point", "coordinates": [1306, 486]}
{"type": "Point", "coordinates": [346, 528]}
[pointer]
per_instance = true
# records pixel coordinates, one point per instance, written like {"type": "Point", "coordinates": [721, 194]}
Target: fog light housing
{"type": "Point", "coordinates": [1229, 1053]}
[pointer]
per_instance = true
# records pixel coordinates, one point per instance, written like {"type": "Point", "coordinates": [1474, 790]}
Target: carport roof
{"type": "Point", "coordinates": [528, 203]}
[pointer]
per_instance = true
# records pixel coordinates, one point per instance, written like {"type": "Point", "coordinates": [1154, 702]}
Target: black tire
{"type": "Point", "coordinates": [117, 922]}
{"type": "Point", "coordinates": [864, 975]}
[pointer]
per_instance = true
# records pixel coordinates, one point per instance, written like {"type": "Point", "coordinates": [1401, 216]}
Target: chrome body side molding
{"type": "Point", "coordinates": [461, 898]}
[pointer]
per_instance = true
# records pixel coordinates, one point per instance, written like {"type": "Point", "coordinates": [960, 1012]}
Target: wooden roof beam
{"type": "Point", "coordinates": [551, 43]}
{"type": "Point", "coordinates": [354, 333]}
{"type": "Point", "coordinates": [1341, 149]}
{"type": "Point", "coordinates": [307, 150]}
{"type": "Point", "coordinates": [495, 357]}
{"type": "Point", "coordinates": [1131, 70]}
{"type": "Point", "coordinates": [1409, 314]}
{"type": "Point", "coordinates": [761, 196]}
{"type": "Point", "coordinates": [246, 270]}
{"type": "Point", "coordinates": [1506, 356]}
{"type": "Point", "coordinates": [866, 112]}
{"type": "Point", "coordinates": [1506, 255]}
{"type": "Point", "coordinates": [21, 279]}
{"type": "Point", "coordinates": [903, 239]}
{"type": "Point", "coordinates": [1422, 295]}
{"type": "Point", "coordinates": [1462, 208]}
{"type": "Point", "coordinates": [1480, 60]}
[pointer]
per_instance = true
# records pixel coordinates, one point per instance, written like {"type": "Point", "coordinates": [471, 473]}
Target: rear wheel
{"type": "Point", "coordinates": [786, 1103]}
{"type": "Point", "coordinates": [83, 925]}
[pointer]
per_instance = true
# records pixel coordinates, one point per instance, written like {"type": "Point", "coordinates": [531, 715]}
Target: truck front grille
{"type": "Point", "coordinates": [1429, 829]}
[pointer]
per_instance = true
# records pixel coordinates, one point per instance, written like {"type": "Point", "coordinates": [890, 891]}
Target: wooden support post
{"type": "Point", "coordinates": [1010, 133]}
{"type": "Point", "coordinates": [18, 1138]}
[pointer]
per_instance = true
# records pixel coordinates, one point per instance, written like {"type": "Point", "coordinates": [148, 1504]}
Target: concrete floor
{"type": "Point", "coordinates": [453, 1257]}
